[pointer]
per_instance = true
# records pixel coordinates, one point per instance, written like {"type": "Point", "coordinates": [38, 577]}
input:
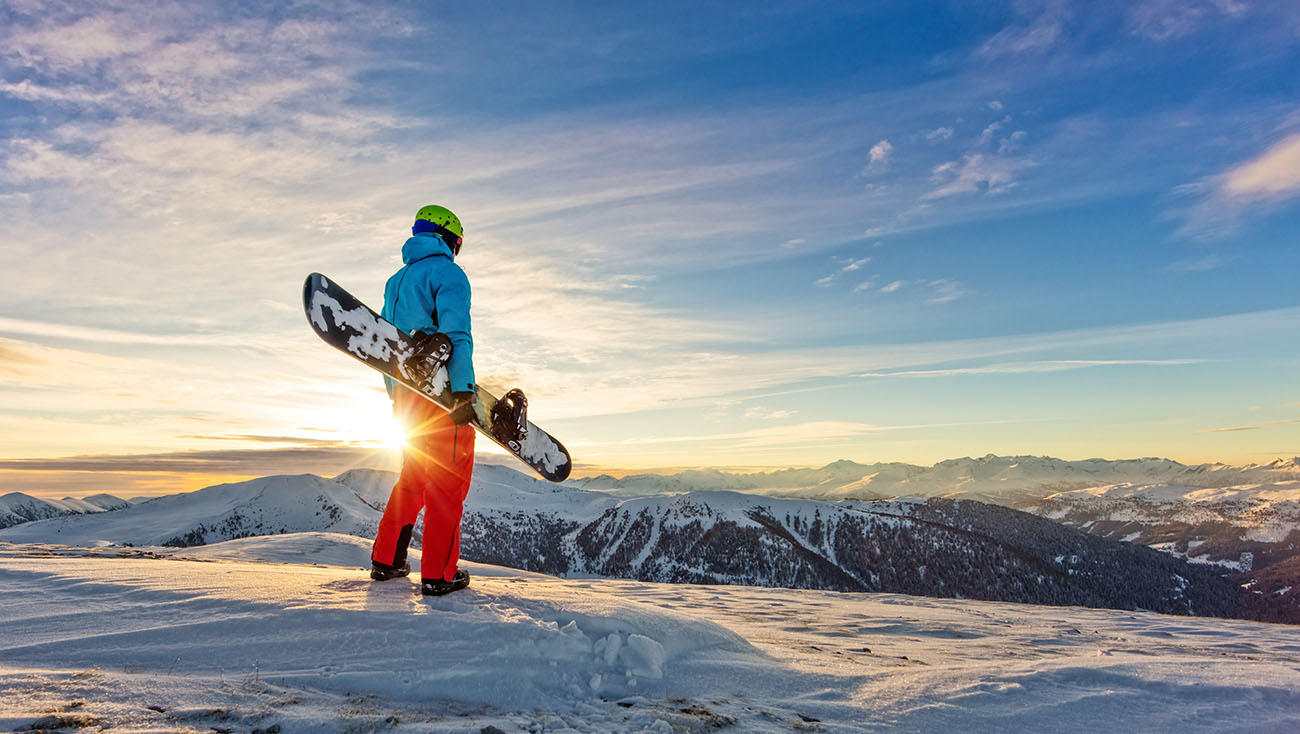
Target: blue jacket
{"type": "Point", "coordinates": [431, 293]}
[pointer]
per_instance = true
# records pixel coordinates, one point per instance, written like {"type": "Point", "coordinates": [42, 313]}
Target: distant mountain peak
{"type": "Point", "coordinates": [844, 464]}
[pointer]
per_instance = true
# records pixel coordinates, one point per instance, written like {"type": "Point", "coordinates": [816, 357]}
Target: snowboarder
{"type": "Point", "coordinates": [430, 295]}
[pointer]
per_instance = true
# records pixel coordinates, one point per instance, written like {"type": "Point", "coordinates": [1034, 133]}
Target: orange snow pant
{"type": "Point", "coordinates": [437, 462]}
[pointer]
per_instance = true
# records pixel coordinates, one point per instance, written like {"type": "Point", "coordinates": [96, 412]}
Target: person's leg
{"type": "Point", "coordinates": [450, 468]}
{"type": "Point", "coordinates": [407, 498]}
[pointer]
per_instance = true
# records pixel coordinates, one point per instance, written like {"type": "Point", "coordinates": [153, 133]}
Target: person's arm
{"type": "Point", "coordinates": [452, 304]}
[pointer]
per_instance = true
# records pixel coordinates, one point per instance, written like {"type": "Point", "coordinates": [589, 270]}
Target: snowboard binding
{"type": "Point", "coordinates": [510, 418]}
{"type": "Point", "coordinates": [430, 353]}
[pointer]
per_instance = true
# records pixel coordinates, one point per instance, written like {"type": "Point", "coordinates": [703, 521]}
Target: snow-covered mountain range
{"type": "Point", "coordinates": [1245, 520]}
{"type": "Point", "coordinates": [937, 547]}
{"type": "Point", "coordinates": [996, 479]}
{"type": "Point", "coordinates": [17, 508]}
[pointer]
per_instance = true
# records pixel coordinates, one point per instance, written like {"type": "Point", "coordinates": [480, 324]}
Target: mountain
{"type": "Point", "coordinates": [936, 548]}
{"type": "Point", "coordinates": [106, 501]}
{"type": "Point", "coordinates": [265, 506]}
{"type": "Point", "coordinates": [1251, 530]}
{"type": "Point", "coordinates": [997, 479]}
{"type": "Point", "coordinates": [17, 507]}
{"type": "Point", "coordinates": [1237, 518]}
{"type": "Point", "coordinates": [286, 633]}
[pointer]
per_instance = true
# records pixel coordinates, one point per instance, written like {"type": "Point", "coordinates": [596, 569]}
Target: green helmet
{"type": "Point", "coordinates": [442, 217]}
{"type": "Point", "coordinates": [440, 221]}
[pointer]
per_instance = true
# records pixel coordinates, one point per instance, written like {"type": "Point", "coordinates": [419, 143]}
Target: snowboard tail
{"type": "Point", "coordinates": [347, 324]}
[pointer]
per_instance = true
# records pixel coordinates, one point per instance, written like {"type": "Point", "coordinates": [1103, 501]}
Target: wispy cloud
{"type": "Point", "coordinates": [987, 134]}
{"type": "Point", "coordinates": [1039, 29]}
{"type": "Point", "coordinates": [1200, 264]}
{"type": "Point", "coordinates": [846, 266]}
{"type": "Point", "coordinates": [807, 433]}
{"type": "Point", "coordinates": [1163, 20]}
{"type": "Point", "coordinates": [855, 264]}
{"type": "Point", "coordinates": [1256, 408]}
{"type": "Point", "coordinates": [197, 61]}
{"type": "Point", "coordinates": [1220, 201]}
{"type": "Point", "coordinates": [1273, 175]}
{"type": "Point", "coordinates": [254, 462]}
{"type": "Point", "coordinates": [15, 358]}
{"type": "Point", "coordinates": [1016, 368]}
{"type": "Point", "coordinates": [767, 414]}
{"type": "Point", "coordinates": [879, 156]}
{"type": "Point", "coordinates": [1251, 427]}
{"type": "Point", "coordinates": [72, 332]}
{"type": "Point", "coordinates": [976, 172]}
{"type": "Point", "coordinates": [320, 443]}
{"type": "Point", "coordinates": [945, 290]}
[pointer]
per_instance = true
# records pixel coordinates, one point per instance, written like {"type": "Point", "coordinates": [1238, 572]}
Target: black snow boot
{"type": "Point", "coordinates": [383, 571]}
{"type": "Point", "coordinates": [438, 587]}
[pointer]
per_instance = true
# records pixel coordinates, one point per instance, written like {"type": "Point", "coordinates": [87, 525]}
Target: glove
{"type": "Point", "coordinates": [467, 407]}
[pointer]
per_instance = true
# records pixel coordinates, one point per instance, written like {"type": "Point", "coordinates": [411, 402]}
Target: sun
{"type": "Point", "coordinates": [389, 432]}
{"type": "Point", "coordinates": [373, 424]}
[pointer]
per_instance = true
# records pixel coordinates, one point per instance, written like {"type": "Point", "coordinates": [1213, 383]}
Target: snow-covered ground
{"type": "Point", "coordinates": [249, 635]}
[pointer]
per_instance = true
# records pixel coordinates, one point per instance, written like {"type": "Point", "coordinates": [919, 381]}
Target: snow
{"type": "Point", "coordinates": [1244, 562]}
{"type": "Point", "coordinates": [1260, 512]}
{"type": "Point", "coordinates": [20, 503]}
{"type": "Point", "coordinates": [539, 447]}
{"type": "Point", "coordinates": [247, 635]}
{"type": "Point", "coordinates": [106, 501]}
{"type": "Point", "coordinates": [17, 508]}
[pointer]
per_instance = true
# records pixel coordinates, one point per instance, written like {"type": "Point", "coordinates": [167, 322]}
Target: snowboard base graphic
{"type": "Point", "coordinates": [350, 326]}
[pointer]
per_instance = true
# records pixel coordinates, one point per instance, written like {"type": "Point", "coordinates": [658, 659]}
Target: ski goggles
{"type": "Point", "coordinates": [453, 240]}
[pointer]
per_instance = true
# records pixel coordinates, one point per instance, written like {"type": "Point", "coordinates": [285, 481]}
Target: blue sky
{"type": "Point", "coordinates": [699, 234]}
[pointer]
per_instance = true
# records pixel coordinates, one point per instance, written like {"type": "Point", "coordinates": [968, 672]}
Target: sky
{"type": "Point", "coordinates": [698, 234]}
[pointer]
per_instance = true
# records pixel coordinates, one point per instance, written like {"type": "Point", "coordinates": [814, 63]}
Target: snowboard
{"type": "Point", "coordinates": [347, 324]}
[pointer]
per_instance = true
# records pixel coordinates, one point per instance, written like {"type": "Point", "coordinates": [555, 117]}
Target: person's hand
{"type": "Point", "coordinates": [466, 406]}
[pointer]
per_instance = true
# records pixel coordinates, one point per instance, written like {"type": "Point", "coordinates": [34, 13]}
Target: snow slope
{"type": "Point", "coordinates": [245, 637]}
